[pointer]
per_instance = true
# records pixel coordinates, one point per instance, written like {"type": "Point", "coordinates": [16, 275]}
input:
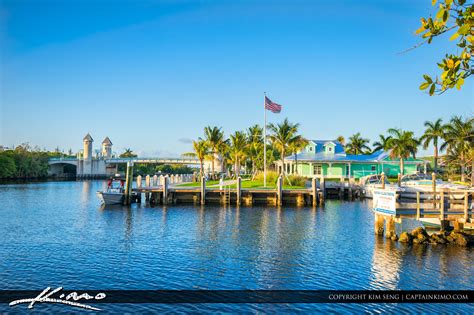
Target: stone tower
{"type": "Point", "coordinates": [107, 148]}
{"type": "Point", "coordinates": [87, 155]}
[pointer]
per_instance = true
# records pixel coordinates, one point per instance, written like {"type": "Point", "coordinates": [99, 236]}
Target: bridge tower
{"type": "Point", "coordinates": [87, 141]}
{"type": "Point", "coordinates": [106, 148]}
{"type": "Point", "coordinates": [86, 168]}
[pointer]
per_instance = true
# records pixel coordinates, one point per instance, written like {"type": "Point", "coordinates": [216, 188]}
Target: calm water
{"type": "Point", "coordinates": [57, 234]}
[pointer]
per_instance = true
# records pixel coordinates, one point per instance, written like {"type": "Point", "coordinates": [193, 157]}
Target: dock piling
{"type": "Point", "coordinates": [279, 190]}
{"type": "Point", "coordinates": [165, 190]}
{"type": "Point", "coordinates": [239, 190]}
{"type": "Point", "coordinates": [203, 190]}
{"type": "Point", "coordinates": [128, 183]}
{"type": "Point", "coordinates": [314, 191]}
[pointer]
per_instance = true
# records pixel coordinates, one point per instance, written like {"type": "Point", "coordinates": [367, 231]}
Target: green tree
{"type": "Point", "coordinates": [255, 149]}
{"type": "Point", "coordinates": [459, 139]}
{"type": "Point", "coordinates": [381, 144]}
{"type": "Point", "coordinates": [128, 153]}
{"type": "Point", "coordinates": [7, 166]}
{"type": "Point", "coordinates": [296, 146]}
{"type": "Point", "coordinates": [214, 137]}
{"type": "Point", "coordinates": [456, 16]}
{"type": "Point", "coordinates": [357, 145]}
{"type": "Point", "coordinates": [434, 132]}
{"type": "Point", "coordinates": [201, 151]}
{"type": "Point", "coordinates": [341, 140]}
{"type": "Point", "coordinates": [282, 136]}
{"type": "Point", "coordinates": [238, 150]}
{"type": "Point", "coordinates": [402, 144]}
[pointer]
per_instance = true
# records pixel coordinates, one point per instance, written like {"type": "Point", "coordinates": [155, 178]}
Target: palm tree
{"type": "Point", "coordinates": [214, 138]}
{"type": "Point", "coordinates": [433, 133]}
{"type": "Point", "coordinates": [282, 136]}
{"type": "Point", "coordinates": [357, 144]}
{"type": "Point", "coordinates": [128, 153]}
{"type": "Point", "coordinates": [341, 140]}
{"type": "Point", "coordinates": [381, 144]}
{"type": "Point", "coordinates": [459, 137]}
{"type": "Point", "coordinates": [201, 150]}
{"type": "Point", "coordinates": [402, 144]}
{"type": "Point", "coordinates": [296, 146]}
{"type": "Point", "coordinates": [255, 149]}
{"type": "Point", "coordinates": [238, 150]}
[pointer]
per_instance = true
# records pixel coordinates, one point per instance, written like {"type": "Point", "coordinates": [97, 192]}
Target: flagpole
{"type": "Point", "coordinates": [264, 142]}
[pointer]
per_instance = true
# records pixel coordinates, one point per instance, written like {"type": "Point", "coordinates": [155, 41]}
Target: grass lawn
{"type": "Point", "coordinates": [246, 184]}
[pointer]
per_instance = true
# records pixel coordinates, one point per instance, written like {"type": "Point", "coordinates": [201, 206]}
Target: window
{"type": "Point", "coordinates": [347, 169]}
{"type": "Point", "coordinates": [373, 168]}
{"type": "Point", "coordinates": [310, 149]}
{"type": "Point", "coordinates": [317, 170]}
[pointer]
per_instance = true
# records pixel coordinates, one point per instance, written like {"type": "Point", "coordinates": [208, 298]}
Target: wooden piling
{"type": "Point", "coordinates": [238, 191]}
{"type": "Point", "coordinates": [128, 183]}
{"type": "Point", "coordinates": [418, 214]}
{"type": "Point", "coordinates": [378, 224]}
{"type": "Point", "coordinates": [342, 188]}
{"type": "Point", "coordinates": [165, 190]}
{"type": "Point", "coordinates": [441, 205]}
{"type": "Point", "coordinates": [399, 179]}
{"type": "Point", "coordinates": [383, 180]}
{"type": "Point", "coordinates": [203, 190]}
{"type": "Point", "coordinates": [314, 191]}
{"type": "Point", "coordinates": [139, 181]}
{"type": "Point", "coordinates": [322, 186]}
{"type": "Point", "coordinates": [433, 179]}
{"type": "Point", "coordinates": [280, 190]}
{"type": "Point", "coordinates": [466, 207]}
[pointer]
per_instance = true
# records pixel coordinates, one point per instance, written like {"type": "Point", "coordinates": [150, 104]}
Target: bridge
{"type": "Point", "coordinates": [103, 167]}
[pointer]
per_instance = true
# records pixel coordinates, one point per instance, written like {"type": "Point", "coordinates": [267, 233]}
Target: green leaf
{"type": "Point", "coordinates": [464, 29]}
{"type": "Point", "coordinates": [424, 86]}
{"type": "Point", "coordinates": [454, 36]}
{"type": "Point", "coordinates": [432, 89]}
{"type": "Point", "coordinates": [427, 78]}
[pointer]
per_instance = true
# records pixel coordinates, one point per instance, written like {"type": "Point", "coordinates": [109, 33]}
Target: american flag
{"type": "Point", "coordinates": [273, 107]}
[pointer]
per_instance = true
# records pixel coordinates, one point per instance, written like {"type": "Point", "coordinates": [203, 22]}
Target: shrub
{"type": "Point", "coordinates": [295, 180]}
{"type": "Point", "coordinates": [272, 177]}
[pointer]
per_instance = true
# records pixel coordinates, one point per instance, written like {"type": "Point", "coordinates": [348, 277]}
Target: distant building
{"type": "Point", "coordinates": [107, 148]}
{"type": "Point", "coordinates": [327, 158]}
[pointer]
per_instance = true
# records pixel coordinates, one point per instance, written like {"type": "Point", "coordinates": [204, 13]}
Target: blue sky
{"type": "Point", "coordinates": [151, 74]}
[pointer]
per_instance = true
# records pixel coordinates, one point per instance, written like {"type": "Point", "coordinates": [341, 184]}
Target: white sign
{"type": "Point", "coordinates": [384, 201]}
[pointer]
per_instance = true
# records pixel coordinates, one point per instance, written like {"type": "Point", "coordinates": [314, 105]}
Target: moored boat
{"type": "Point", "coordinates": [115, 192]}
{"type": "Point", "coordinates": [423, 183]}
{"type": "Point", "coordinates": [374, 181]}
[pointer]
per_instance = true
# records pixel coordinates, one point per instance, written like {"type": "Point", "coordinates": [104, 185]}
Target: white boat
{"type": "Point", "coordinates": [423, 184]}
{"type": "Point", "coordinates": [374, 181]}
{"type": "Point", "coordinates": [115, 192]}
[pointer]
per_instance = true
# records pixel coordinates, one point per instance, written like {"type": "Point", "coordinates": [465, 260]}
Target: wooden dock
{"type": "Point", "coordinates": [449, 208]}
{"type": "Point", "coordinates": [166, 194]}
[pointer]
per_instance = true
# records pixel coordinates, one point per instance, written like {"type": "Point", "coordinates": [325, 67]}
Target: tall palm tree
{"type": "Point", "coordinates": [357, 144]}
{"type": "Point", "coordinates": [341, 140]}
{"type": "Point", "coordinates": [238, 150]}
{"type": "Point", "coordinates": [433, 133]}
{"type": "Point", "coordinates": [381, 144]}
{"type": "Point", "coordinates": [255, 149]}
{"type": "Point", "coordinates": [200, 151]}
{"type": "Point", "coordinates": [128, 153]}
{"type": "Point", "coordinates": [296, 146]}
{"type": "Point", "coordinates": [459, 138]}
{"type": "Point", "coordinates": [282, 136]}
{"type": "Point", "coordinates": [214, 138]}
{"type": "Point", "coordinates": [402, 144]}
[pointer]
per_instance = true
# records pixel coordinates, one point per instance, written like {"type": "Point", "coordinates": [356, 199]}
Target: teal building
{"type": "Point", "coordinates": [328, 159]}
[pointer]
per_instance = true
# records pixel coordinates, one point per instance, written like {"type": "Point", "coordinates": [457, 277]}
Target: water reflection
{"type": "Point", "coordinates": [212, 247]}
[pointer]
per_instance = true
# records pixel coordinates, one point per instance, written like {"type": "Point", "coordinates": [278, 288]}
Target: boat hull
{"type": "Point", "coordinates": [109, 198]}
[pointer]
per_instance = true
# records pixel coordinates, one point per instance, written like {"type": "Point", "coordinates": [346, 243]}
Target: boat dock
{"type": "Point", "coordinates": [231, 193]}
{"type": "Point", "coordinates": [444, 207]}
